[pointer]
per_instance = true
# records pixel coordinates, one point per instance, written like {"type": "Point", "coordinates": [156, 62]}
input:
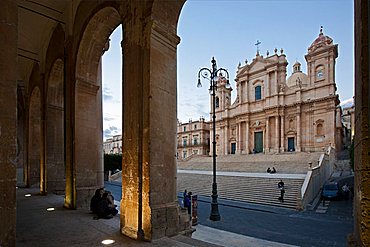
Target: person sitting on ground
{"type": "Point", "coordinates": [111, 205]}
{"type": "Point", "coordinates": [268, 170]}
{"type": "Point", "coordinates": [273, 170]}
{"type": "Point", "coordinates": [96, 199]}
{"type": "Point", "coordinates": [103, 209]}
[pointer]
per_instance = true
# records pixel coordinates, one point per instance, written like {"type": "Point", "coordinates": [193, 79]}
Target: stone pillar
{"type": "Point", "coordinates": [277, 134]}
{"type": "Point", "coordinates": [226, 140]}
{"type": "Point", "coordinates": [247, 92]}
{"type": "Point", "coordinates": [267, 86]}
{"type": "Point", "coordinates": [99, 134]}
{"type": "Point", "coordinates": [267, 137]}
{"type": "Point", "coordinates": [55, 130]}
{"type": "Point", "coordinates": [69, 110]}
{"type": "Point", "coordinates": [247, 137]}
{"type": "Point", "coordinates": [87, 124]}
{"type": "Point", "coordinates": [239, 142]}
{"type": "Point", "coordinates": [135, 209]}
{"type": "Point", "coordinates": [8, 120]}
{"type": "Point", "coordinates": [149, 207]}
{"type": "Point", "coordinates": [43, 175]}
{"type": "Point", "coordinates": [276, 82]}
{"type": "Point", "coordinates": [361, 200]}
{"type": "Point", "coordinates": [282, 141]}
{"type": "Point", "coordinates": [298, 149]}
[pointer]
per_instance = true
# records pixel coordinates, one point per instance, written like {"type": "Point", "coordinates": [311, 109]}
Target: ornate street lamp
{"type": "Point", "coordinates": [211, 75]}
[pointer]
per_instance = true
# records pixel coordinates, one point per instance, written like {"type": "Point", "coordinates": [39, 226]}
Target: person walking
{"type": "Point", "coordinates": [281, 186]}
{"type": "Point", "coordinates": [187, 202]}
{"type": "Point", "coordinates": [346, 191]}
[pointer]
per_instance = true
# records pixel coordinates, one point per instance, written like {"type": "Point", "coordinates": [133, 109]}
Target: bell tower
{"type": "Point", "coordinates": [320, 59]}
{"type": "Point", "coordinates": [223, 94]}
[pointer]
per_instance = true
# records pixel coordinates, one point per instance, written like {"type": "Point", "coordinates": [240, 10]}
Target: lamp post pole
{"type": "Point", "coordinates": [211, 75]}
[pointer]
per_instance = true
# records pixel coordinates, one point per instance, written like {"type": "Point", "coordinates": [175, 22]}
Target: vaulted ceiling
{"type": "Point", "coordinates": [36, 22]}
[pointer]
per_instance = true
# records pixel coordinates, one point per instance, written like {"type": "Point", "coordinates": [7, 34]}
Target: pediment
{"type": "Point", "coordinates": [258, 64]}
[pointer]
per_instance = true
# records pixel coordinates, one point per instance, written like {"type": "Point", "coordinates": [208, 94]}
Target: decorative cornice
{"type": "Point", "coordinates": [165, 35]}
{"type": "Point", "coordinates": [86, 87]}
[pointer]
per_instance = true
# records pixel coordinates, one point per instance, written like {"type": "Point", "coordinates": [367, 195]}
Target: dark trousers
{"type": "Point", "coordinates": [281, 198]}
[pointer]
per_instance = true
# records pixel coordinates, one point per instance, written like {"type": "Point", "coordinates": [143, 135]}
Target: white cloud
{"type": "Point", "coordinates": [107, 94]}
{"type": "Point", "coordinates": [347, 103]}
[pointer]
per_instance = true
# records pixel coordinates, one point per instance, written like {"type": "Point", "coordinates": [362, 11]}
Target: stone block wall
{"type": "Point", "coordinates": [8, 120]}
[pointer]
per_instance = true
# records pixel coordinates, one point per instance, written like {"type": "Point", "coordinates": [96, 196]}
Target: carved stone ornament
{"type": "Point", "coordinates": [282, 87]}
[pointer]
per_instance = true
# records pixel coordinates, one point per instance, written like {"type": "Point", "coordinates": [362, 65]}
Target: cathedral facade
{"type": "Point", "coordinates": [274, 113]}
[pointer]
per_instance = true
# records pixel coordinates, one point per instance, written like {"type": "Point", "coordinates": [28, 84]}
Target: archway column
{"type": "Point", "coordinates": [43, 189]}
{"type": "Point", "coordinates": [149, 208]}
{"type": "Point", "coordinates": [69, 103]}
{"type": "Point", "coordinates": [361, 203]}
{"type": "Point", "coordinates": [8, 122]}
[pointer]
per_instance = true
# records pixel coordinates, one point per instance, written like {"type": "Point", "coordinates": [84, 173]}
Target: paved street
{"type": "Point", "coordinates": [291, 227]}
{"type": "Point", "coordinates": [310, 228]}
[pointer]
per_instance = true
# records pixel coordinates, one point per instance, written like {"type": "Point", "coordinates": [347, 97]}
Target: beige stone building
{"type": "Point", "coordinates": [274, 113]}
{"type": "Point", "coordinates": [348, 119]}
{"type": "Point", "coordinates": [113, 145]}
{"type": "Point", "coordinates": [192, 138]}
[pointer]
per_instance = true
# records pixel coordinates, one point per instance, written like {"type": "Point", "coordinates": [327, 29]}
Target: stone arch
{"type": "Point", "coordinates": [88, 161]}
{"type": "Point", "coordinates": [149, 204]}
{"type": "Point", "coordinates": [54, 144]}
{"type": "Point", "coordinates": [34, 138]}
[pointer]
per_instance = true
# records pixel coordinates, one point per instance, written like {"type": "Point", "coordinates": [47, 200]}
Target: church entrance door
{"type": "Point", "coordinates": [291, 144]}
{"type": "Point", "coordinates": [258, 142]}
{"type": "Point", "coordinates": [233, 148]}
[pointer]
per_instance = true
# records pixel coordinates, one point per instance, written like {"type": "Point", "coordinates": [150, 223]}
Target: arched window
{"type": "Point", "coordinates": [320, 72]}
{"type": "Point", "coordinates": [217, 102]}
{"type": "Point", "coordinates": [319, 129]}
{"type": "Point", "coordinates": [257, 93]}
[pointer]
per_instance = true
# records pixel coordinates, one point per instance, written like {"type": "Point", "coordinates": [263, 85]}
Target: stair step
{"type": "Point", "coordinates": [257, 190]}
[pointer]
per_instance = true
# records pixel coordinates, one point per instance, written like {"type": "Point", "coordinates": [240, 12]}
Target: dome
{"type": "Point", "coordinates": [298, 78]}
{"type": "Point", "coordinates": [320, 41]}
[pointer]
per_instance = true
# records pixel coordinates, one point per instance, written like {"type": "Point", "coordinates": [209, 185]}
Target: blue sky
{"type": "Point", "coordinates": [228, 30]}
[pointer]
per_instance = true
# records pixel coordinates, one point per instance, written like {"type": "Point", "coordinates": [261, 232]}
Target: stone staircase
{"type": "Point", "coordinates": [284, 162]}
{"type": "Point", "coordinates": [259, 190]}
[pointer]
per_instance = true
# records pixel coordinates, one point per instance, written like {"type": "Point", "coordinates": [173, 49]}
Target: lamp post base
{"type": "Point", "coordinates": [215, 215]}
